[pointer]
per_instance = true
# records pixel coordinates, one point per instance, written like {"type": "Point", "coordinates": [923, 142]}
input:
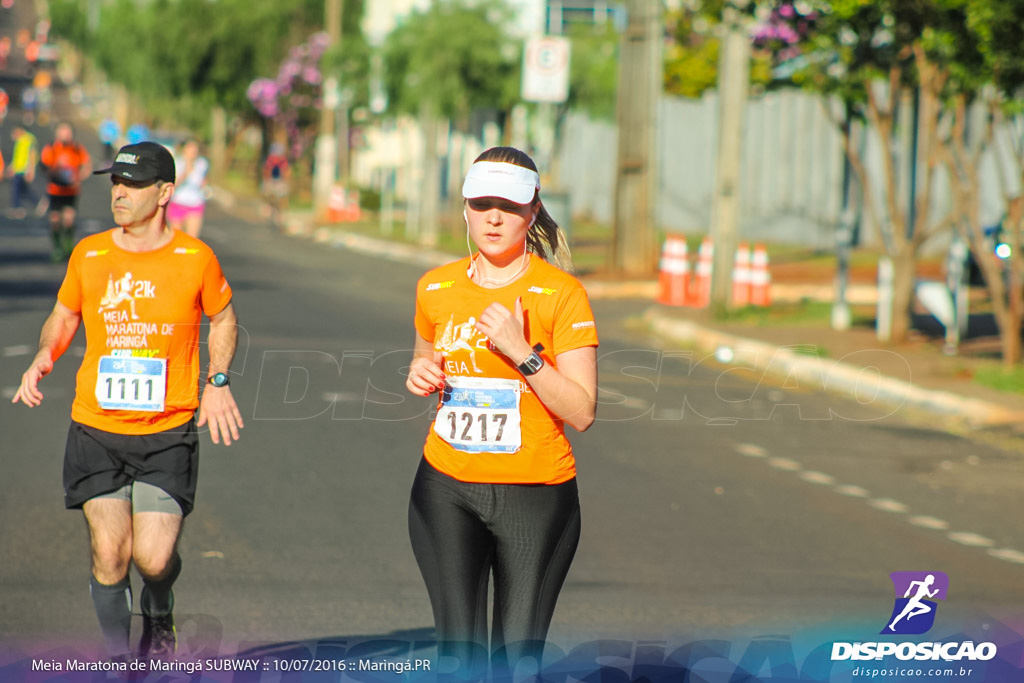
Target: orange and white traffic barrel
{"type": "Point", "coordinates": [674, 273]}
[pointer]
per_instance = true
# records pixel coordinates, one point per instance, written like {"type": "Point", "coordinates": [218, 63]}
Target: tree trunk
{"type": "Point", "coordinates": [1009, 331]}
{"type": "Point", "coordinates": [904, 275]}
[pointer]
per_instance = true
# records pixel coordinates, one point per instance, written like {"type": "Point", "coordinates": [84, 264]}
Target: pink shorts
{"type": "Point", "coordinates": [177, 213]}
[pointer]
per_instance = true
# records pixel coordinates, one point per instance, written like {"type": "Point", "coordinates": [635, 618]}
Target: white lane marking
{"type": "Point", "coordinates": [9, 392]}
{"type": "Point", "coordinates": [888, 505]}
{"type": "Point", "coordinates": [929, 522]}
{"type": "Point", "coordinates": [852, 491]}
{"type": "Point", "coordinates": [1008, 554]}
{"type": "Point", "coordinates": [17, 350]}
{"type": "Point", "coordinates": [343, 396]}
{"type": "Point", "coordinates": [634, 402]}
{"type": "Point", "coordinates": [751, 450]}
{"type": "Point", "coordinates": [972, 539]}
{"type": "Point", "coordinates": [818, 478]}
{"type": "Point", "coordinates": [784, 464]}
{"type": "Point", "coordinates": [78, 351]}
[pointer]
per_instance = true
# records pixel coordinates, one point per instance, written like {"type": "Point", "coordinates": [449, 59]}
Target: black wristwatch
{"type": "Point", "coordinates": [219, 380]}
{"type": "Point", "coordinates": [533, 362]}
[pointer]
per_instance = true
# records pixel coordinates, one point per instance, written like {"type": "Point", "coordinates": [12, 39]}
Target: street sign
{"type": "Point", "coordinates": [546, 69]}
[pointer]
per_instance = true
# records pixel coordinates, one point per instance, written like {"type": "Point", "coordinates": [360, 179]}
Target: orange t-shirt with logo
{"type": "Point", "coordinates": [65, 161]}
{"type": "Point", "coordinates": [138, 308]}
{"type": "Point", "coordinates": [490, 426]}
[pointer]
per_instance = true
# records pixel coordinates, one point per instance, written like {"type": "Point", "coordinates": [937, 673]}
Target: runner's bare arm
{"type": "Point", "coordinates": [58, 331]}
{"type": "Point", "coordinates": [218, 405]}
{"type": "Point", "coordinates": [570, 390]}
{"type": "Point", "coordinates": [425, 372]}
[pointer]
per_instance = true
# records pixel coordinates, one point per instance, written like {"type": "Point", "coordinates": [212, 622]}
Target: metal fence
{"type": "Point", "coordinates": [791, 168]}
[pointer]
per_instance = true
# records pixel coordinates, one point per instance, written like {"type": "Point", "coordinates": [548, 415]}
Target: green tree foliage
{"type": "Point", "coordinates": [594, 69]}
{"type": "Point", "coordinates": [181, 57]}
{"type": "Point", "coordinates": [451, 58]}
{"type": "Point", "coordinates": [952, 54]}
{"type": "Point", "coordinates": [692, 52]}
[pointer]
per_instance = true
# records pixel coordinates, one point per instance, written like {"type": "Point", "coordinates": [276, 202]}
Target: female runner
{"type": "Point", "coordinates": [509, 343]}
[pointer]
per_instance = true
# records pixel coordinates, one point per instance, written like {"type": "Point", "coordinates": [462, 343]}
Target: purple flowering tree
{"type": "Point", "coordinates": [290, 102]}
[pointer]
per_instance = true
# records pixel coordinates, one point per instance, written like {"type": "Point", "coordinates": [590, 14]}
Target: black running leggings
{"type": "Point", "coordinates": [525, 533]}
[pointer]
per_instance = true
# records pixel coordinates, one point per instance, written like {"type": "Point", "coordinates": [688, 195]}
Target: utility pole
{"type": "Point", "coordinates": [640, 87]}
{"type": "Point", "coordinates": [733, 83]}
{"type": "Point", "coordinates": [326, 163]}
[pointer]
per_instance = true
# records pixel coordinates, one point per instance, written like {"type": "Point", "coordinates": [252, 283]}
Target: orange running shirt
{"type": "Point", "coordinates": [475, 436]}
{"type": "Point", "coordinates": [141, 306]}
{"type": "Point", "coordinates": [65, 161]}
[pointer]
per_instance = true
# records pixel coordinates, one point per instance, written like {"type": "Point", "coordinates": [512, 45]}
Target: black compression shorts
{"type": "Point", "coordinates": [98, 462]}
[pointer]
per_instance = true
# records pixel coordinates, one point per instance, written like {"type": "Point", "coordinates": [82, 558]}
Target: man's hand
{"type": "Point", "coordinates": [28, 393]}
{"type": "Point", "coordinates": [219, 409]}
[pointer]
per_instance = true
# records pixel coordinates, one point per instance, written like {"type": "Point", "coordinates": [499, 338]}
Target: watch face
{"type": "Point", "coordinates": [532, 364]}
{"type": "Point", "coordinates": [219, 380]}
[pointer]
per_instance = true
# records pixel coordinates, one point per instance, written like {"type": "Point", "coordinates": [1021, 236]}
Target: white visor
{"type": "Point", "coordinates": [500, 179]}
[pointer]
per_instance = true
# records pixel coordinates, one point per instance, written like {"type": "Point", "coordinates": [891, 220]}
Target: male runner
{"type": "Point", "coordinates": [67, 162]}
{"type": "Point", "coordinates": [132, 449]}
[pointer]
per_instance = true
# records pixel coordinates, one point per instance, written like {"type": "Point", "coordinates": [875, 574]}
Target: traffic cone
{"type": "Point", "coordinates": [741, 276]}
{"type": "Point", "coordinates": [702, 297]}
{"type": "Point", "coordinates": [674, 273]}
{"type": "Point", "coordinates": [760, 278]}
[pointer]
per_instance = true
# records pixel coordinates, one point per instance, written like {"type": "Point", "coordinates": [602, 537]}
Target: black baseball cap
{"type": "Point", "coordinates": [142, 162]}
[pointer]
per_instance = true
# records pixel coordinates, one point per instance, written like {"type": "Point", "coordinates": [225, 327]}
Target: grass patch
{"type": "Point", "coordinates": [1002, 379]}
{"type": "Point", "coordinates": [804, 313]}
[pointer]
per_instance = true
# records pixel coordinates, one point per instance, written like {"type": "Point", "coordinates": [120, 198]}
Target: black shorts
{"type": "Point", "coordinates": [59, 202]}
{"type": "Point", "coordinates": [98, 462]}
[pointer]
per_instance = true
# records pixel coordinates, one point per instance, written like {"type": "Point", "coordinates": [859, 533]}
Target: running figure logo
{"type": "Point", "coordinates": [462, 337]}
{"type": "Point", "coordinates": [914, 612]}
{"type": "Point", "coordinates": [125, 290]}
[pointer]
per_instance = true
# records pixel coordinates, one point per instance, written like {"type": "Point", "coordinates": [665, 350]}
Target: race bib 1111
{"type": "Point", "coordinates": [132, 383]}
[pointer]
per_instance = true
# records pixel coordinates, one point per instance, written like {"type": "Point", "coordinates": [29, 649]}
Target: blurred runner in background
{"type": "Point", "coordinates": [22, 170]}
{"type": "Point", "coordinates": [188, 204]}
{"type": "Point", "coordinates": [67, 162]}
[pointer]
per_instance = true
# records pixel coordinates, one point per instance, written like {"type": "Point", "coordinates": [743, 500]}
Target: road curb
{"type": "Point", "coordinates": [861, 383]}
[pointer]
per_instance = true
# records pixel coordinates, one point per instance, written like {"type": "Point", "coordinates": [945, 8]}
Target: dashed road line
{"type": "Point", "coordinates": [17, 350]}
{"type": "Point", "coordinates": [888, 505]}
{"type": "Point", "coordinates": [818, 478]}
{"type": "Point", "coordinates": [971, 539]}
{"type": "Point", "coordinates": [751, 450]}
{"type": "Point", "coordinates": [967, 538]}
{"type": "Point", "coordinates": [784, 464]}
{"type": "Point", "coordinates": [929, 522]}
{"type": "Point", "coordinates": [852, 491]}
{"type": "Point", "coordinates": [1008, 554]}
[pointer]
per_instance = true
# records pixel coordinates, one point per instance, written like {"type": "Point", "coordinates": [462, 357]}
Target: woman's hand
{"type": "Point", "coordinates": [505, 330]}
{"type": "Point", "coordinates": [426, 374]}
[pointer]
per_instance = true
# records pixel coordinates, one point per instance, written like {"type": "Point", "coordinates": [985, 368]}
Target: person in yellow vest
{"type": "Point", "coordinates": [22, 170]}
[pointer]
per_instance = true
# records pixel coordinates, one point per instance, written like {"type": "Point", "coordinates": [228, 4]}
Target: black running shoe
{"type": "Point", "coordinates": [159, 637]}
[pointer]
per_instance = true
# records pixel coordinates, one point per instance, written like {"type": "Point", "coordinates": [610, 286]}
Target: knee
{"type": "Point", "coordinates": [110, 561]}
{"type": "Point", "coordinates": [152, 562]}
